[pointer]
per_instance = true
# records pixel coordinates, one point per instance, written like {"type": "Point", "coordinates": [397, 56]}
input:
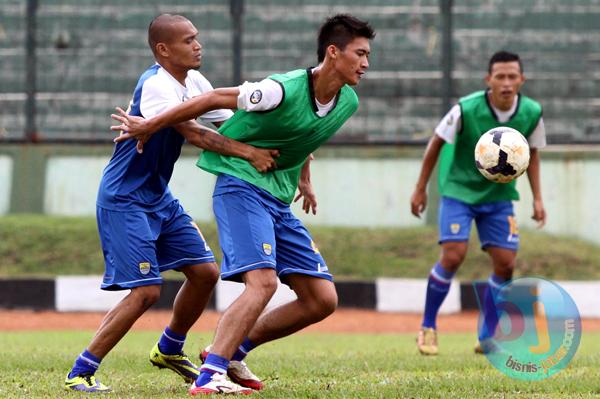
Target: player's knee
{"type": "Point", "coordinates": [212, 274]}
{"type": "Point", "coordinates": [451, 260]}
{"type": "Point", "coordinates": [328, 303]}
{"type": "Point", "coordinates": [505, 270]}
{"type": "Point", "coordinates": [323, 305]}
{"type": "Point", "coordinates": [204, 274]}
{"type": "Point", "coordinates": [262, 282]}
{"type": "Point", "coordinates": [147, 295]}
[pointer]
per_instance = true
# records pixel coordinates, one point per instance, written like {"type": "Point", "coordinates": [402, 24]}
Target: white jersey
{"type": "Point", "coordinates": [451, 124]}
{"type": "Point", "coordinates": [162, 92]}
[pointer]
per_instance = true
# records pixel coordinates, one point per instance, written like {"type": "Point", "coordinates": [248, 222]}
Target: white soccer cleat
{"type": "Point", "coordinates": [238, 372]}
{"type": "Point", "coordinates": [219, 384]}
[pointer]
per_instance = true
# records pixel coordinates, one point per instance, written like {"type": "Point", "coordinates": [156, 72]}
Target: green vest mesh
{"type": "Point", "coordinates": [458, 175]}
{"type": "Point", "coordinates": [293, 128]}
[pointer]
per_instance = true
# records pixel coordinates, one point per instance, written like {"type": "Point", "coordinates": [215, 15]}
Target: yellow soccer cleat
{"type": "Point", "coordinates": [179, 363]}
{"type": "Point", "coordinates": [85, 383]}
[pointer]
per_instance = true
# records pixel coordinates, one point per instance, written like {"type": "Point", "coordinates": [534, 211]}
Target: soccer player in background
{"type": "Point", "coordinates": [143, 229]}
{"type": "Point", "coordinates": [466, 195]}
{"type": "Point", "coordinates": [261, 239]}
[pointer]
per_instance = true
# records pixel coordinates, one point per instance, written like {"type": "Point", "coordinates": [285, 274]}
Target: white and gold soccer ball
{"type": "Point", "coordinates": [502, 154]}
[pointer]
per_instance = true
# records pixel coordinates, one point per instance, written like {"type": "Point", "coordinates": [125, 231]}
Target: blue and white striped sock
{"type": "Point", "coordinates": [86, 363]}
{"type": "Point", "coordinates": [212, 364]}
{"type": "Point", "coordinates": [438, 286]}
{"type": "Point", "coordinates": [170, 342]}
{"type": "Point", "coordinates": [241, 353]}
{"type": "Point", "coordinates": [490, 312]}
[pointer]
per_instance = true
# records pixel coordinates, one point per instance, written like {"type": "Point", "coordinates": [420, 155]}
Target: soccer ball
{"type": "Point", "coordinates": [502, 154]}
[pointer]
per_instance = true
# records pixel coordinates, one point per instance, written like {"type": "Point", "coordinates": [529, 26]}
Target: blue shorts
{"type": "Point", "coordinates": [258, 231]}
{"type": "Point", "coordinates": [138, 246]}
{"type": "Point", "coordinates": [496, 223]}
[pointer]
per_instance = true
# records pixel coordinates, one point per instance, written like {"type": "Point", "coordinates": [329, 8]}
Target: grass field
{"type": "Point", "coordinates": [34, 365]}
{"type": "Point", "coordinates": [34, 245]}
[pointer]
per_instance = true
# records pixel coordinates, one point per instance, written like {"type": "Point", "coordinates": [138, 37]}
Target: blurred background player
{"type": "Point", "coordinates": [466, 195]}
{"type": "Point", "coordinates": [261, 239]}
{"type": "Point", "coordinates": [143, 228]}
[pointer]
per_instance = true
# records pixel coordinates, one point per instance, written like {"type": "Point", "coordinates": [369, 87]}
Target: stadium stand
{"type": "Point", "coordinates": [90, 52]}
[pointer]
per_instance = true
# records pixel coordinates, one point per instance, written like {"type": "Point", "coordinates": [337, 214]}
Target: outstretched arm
{"type": "Point", "coordinates": [533, 173]}
{"type": "Point", "coordinates": [418, 200]}
{"type": "Point", "coordinates": [207, 139]}
{"type": "Point", "coordinates": [140, 128]}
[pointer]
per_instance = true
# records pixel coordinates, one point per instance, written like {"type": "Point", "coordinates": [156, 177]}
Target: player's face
{"type": "Point", "coordinates": [352, 62]}
{"type": "Point", "coordinates": [186, 51]}
{"type": "Point", "coordinates": [504, 82]}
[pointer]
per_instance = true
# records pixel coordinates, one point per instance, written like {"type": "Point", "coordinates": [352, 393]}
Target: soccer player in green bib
{"type": "Point", "coordinates": [260, 238]}
{"type": "Point", "coordinates": [466, 195]}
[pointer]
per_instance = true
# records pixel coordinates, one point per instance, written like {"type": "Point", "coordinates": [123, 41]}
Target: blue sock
{"type": "Point", "coordinates": [241, 353]}
{"type": "Point", "coordinates": [171, 343]}
{"type": "Point", "coordinates": [438, 286]}
{"type": "Point", "coordinates": [490, 314]}
{"type": "Point", "coordinates": [212, 364]}
{"type": "Point", "coordinates": [86, 363]}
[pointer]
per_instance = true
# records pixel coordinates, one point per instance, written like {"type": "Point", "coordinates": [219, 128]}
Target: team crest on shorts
{"type": "Point", "coordinates": [455, 228]}
{"type": "Point", "coordinates": [144, 267]}
{"type": "Point", "coordinates": [267, 249]}
{"type": "Point", "coordinates": [256, 96]}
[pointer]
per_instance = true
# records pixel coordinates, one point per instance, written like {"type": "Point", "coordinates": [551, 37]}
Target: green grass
{"type": "Point", "coordinates": [33, 245]}
{"type": "Point", "coordinates": [34, 365]}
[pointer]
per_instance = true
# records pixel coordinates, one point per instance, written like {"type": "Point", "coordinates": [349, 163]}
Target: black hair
{"type": "Point", "coordinates": [504, 56]}
{"type": "Point", "coordinates": [160, 30]}
{"type": "Point", "coordinates": [340, 30]}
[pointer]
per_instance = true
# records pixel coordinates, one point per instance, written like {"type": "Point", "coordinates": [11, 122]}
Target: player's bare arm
{"type": "Point", "coordinates": [137, 127]}
{"type": "Point", "coordinates": [533, 174]}
{"type": "Point", "coordinates": [418, 200]}
{"type": "Point", "coordinates": [203, 137]}
{"type": "Point", "coordinates": [305, 189]}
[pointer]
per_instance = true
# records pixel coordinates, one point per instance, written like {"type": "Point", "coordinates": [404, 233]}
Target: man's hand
{"type": "Point", "coordinates": [263, 159]}
{"type": "Point", "coordinates": [539, 213]}
{"type": "Point", "coordinates": [418, 202]}
{"type": "Point", "coordinates": [305, 189]}
{"type": "Point", "coordinates": [131, 126]}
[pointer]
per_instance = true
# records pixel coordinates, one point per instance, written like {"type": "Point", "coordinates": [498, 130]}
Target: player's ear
{"type": "Point", "coordinates": [333, 51]}
{"type": "Point", "coordinates": [161, 49]}
{"type": "Point", "coordinates": [487, 79]}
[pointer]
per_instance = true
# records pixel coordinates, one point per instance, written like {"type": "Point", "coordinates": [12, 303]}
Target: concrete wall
{"type": "Point", "coordinates": [367, 186]}
{"type": "Point", "coordinates": [6, 171]}
{"type": "Point", "coordinates": [351, 192]}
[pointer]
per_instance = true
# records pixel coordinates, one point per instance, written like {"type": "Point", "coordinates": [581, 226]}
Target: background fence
{"type": "Point", "coordinates": [64, 64]}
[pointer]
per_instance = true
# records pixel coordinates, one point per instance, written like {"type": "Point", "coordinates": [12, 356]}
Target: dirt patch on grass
{"type": "Point", "coordinates": [342, 321]}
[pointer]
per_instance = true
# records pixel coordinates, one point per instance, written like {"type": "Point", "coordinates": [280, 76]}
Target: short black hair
{"type": "Point", "coordinates": [504, 56]}
{"type": "Point", "coordinates": [160, 29]}
{"type": "Point", "coordinates": [340, 30]}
